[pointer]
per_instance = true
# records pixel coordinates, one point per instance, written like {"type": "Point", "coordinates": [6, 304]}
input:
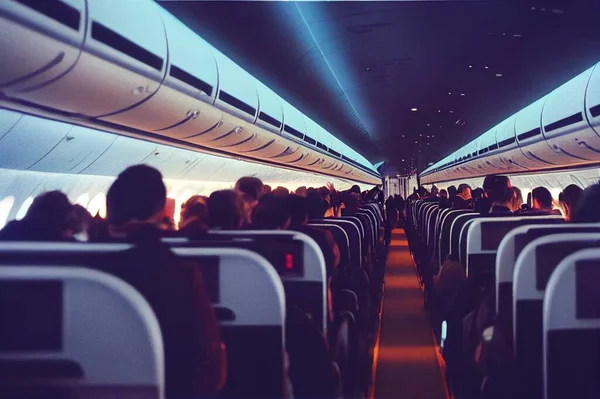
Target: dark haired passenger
{"type": "Point", "coordinates": [81, 222]}
{"type": "Point", "coordinates": [250, 189]}
{"type": "Point", "coordinates": [463, 198]}
{"type": "Point", "coordinates": [452, 191]}
{"type": "Point", "coordinates": [517, 200]}
{"type": "Point", "coordinates": [271, 213]}
{"type": "Point", "coordinates": [194, 358]}
{"type": "Point", "coordinates": [541, 203]}
{"type": "Point", "coordinates": [281, 191]}
{"type": "Point", "coordinates": [49, 218]}
{"type": "Point", "coordinates": [266, 189]}
{"type": "Point", "coordinates": [194, 218]}
{"type": "Point", "coordinates": [586, 211]}
{"type": "Point", "coordinates": [444, 200]}
{"type": "Point", "coordinates": [499, 194]}
{"type": "Point", "coordinates": [226, 210]}
{"type": "Point", "coordinates": [569, 198]}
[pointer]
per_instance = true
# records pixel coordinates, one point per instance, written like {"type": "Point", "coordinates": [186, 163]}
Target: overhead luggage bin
{"type": "Point", "coordinates": [122, 63]}
{"type": "Point", "coordinates": [509, 153]}
{"type": "Point", "coordinates": [530, 139]}
{"type": "Point", "coordinates": [40, 41]}
{"type": "Point", "coordinates": [181, 107]}
{"type": "Point", "coordinates": [565, 124]}
{"type": "Point", "coordinates": [237, 94]}
{"type": "Point", "coordinates": [270, 115]}
{"type": "Point", "coordinates": [592, 101]}
{"type": "Point", "coordinates": [488, 150]}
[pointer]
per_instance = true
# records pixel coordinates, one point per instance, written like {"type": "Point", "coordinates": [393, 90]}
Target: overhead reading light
{"type": "Point", "coordinates": [451, 112]}
{"type": "Point", "coordinates": [498, 75]}
{"type": "Point", "coordinates": [470, 66]}
{"type": "Point", "coordinates": [517, 35]}
{"type": "Point", "coordinates": [449, 93]}
{"type": "Point", "coordinates": [413, 109]}
{"type": "Point", "coordinates": [462, 94]}
{"type": "Point", "coordinates": [429, 124]}
{"type": "Point", "coordinates": [439, 110]}
{"type": "Point", "coordinates": [486, 67]}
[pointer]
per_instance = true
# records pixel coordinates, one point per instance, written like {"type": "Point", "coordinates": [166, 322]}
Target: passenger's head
{"type": "Point", "coordinates": [271, 213]}
{"type": "Point", "coordinates": [355, 189]}
{"type": "Point", "coordinates": [452, 191]}
{"type": "Point", "coordinates": [51, 212]}
{"type": "Point", "coordinates": [443, 193]}
{"type": "Point", "coordinates": [226, 210]}
{"type": "Point", "coordinates": [251, 186]}
{"type": "Point", "coordinates": [477, 193]}
{"type": "Point", "coordinates": [586, 211]}
{"type": "Point", "coordinates": [498, 189]}
{"type": "Point", "coordinates": [195, 210]}
{"type": "Point", "coordinates": [569, 199]}
{"type": "Point", "coordinates": [281, 192]}
{"type": "Point", "coordinates": [464, 190]}
{"type": "Point", "coordinates": [266, 189]}
{"type": "Point", "coordinates": [434, 191]}
{"type": "Point", "coordinates": [137, 195]}
{"type": "Point", "coordinates": [517, 199]}
{"type": "Point", "coordinates": [301, 191]}
{"type": "Point", "coordinates": [316, 206]}
{"type": "Point", "coordinates": [541, 198]}
{"type": "Point", "coordinates": [298, 207]}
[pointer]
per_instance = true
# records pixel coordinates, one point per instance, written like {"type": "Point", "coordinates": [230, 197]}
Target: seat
{"type": "Point", "coordinates": [483, 239]}
{"type": "Point", "coordinates": [444, 238]}
{"type": "Point", "coordinates": [341, 238]}
{"type": "Point", "coordinates": [246, 293]}
{"type": "Point", "coordinates": [299, 262]}
{"type": "Point", "coordinates": [572, 327]}
{"type": "Point", "coordinates": [77, 333]}
{"type": "Point", "coordinates": [511, 246]}
{"type": "Point", "coordinates": [455, 232]}
{"type": "Point", "coordinates": [533, 268]}
{"type": "Point", "coordinates": [352, 229]}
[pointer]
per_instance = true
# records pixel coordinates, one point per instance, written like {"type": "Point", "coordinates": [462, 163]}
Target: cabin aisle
{"type": "Point", "coordinates": [407, 365]}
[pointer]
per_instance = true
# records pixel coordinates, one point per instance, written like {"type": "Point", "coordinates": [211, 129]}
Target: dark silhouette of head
{"type": "Point", "coordinates": [452, 192]}
{"type": "Point", "coordinates": [226, 210]}
{"type": "Point", "coordinates": [251, 186]}
{"type": "Point", "coordinates": [586, 211]}
{"type": "Point", "coordinates": [541, 198]}
{"type": "Point", "coordinates": [569, 198]}
{"type": "Point", "coordinates": [137, 195]}
{"type": "Point", "coordinates": [298, 207]}
{"type": "Point", "coordinates": [195, 210]}
{"type": "Point", "coordinates": [271, 213]}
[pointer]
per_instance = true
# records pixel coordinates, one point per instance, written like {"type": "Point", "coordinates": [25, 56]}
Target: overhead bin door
{"type": "Point", "coordinates": [592, 101]}
{"type": "Point", "coordinates": [509, 154]}
{"type": "Point", "coordinates": [122, 64]}
{"type": "Point", "coordinates": [237, 89]}
{"type": "Point", "coordinates": [39, 42]}
{"type": "Point", "coordinates": [565, 124]}
{"type": "Point", "coordinates": [122, 153]}
{"type": "Point", "coordinates": [531, 140]}
{"type": "Point", "coordinates": [270, 115]}
{"type": "Point", "coordinates": [182, 106]}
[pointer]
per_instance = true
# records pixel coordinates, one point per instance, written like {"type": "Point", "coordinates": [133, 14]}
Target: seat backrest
{"type": "Point", "coordinates": [376, 210]}
{"type": "Point", "coordinates": [572, 327]}
{"type": "Point", "coordinates": [483, 239]}
{"type": "Point", "coordinates": [445, 231]}
{"type": "Point", "coordinates": [341, 238]}
{"type": "Point", "coordinates": [511, 246]}
{"type": "Point", "coordinates": [456, 229]}
{"type": "Point", "coordinates": [533, 268]}
{"type": "Point", "coordinates": [305, 283]}
{"type": "Point", "coordinates": [79, 332]}
{"type": "Point", "coordinates": [246, 293]}
{"type": "Point", "coordinates": [368, 226]}
{"type": "Point", "coordinates": [431, 223]}
{"type": "Point", "coordinates": [352, 226]}
{"type": "Point", "coordinates": [424, 222]}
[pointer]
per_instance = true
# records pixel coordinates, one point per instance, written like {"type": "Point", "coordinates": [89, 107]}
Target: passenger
{"type": "Point", "coordinates": [49, 218]}
{"type": "Point", "coordinates": [266, 189]}
{"type": "Point", "coordinates": [281, 192]}
{"type": "Point", "coordinates": [463, 198]}
{"type": "Point", "coordinates": [301, 191]}
{"type": "Point", "coordinates": [391, 219]}
{"type": "Point", "coordinates": [81, 222]}
{"type": "Point", "coordinates": [250, 189]}
{"type": "Point", "coordinates": [352, 204]}
{"type": "Point", "coordinates": [517, 200]}
{"type": "Point", "coordinates": [452, 191]}
{"type": "Point", "coordinates": [194, 219]}
{"type": "Point", "coordinates": [542, 203]}
{"type": "Point", "coordinates": [271, 213]}
{"type": "Point", "coordinates": [194, 356]}
{"type": "Point", "coordinates": [499, 194]}
{"type": "Point", "coordinates": [586, 211]}
{"type": "Point", "coordinates": [444, 200]}
{"type": "Point", "coordinates": [333, 210]}
{"type": "Point", "coordinates": [226, 210]}
{"type": "Point", "coordinates": [569, 199]}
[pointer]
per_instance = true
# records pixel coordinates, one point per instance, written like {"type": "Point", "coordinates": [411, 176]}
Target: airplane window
{"type": "Point", "coordinates": [5, 206]}
{"type": "Point", "coordinates": [98, 205]}
{"type": "Point", "coordinates": [24, 208]}
{"type": "Point", "coordinates": [83, 200]}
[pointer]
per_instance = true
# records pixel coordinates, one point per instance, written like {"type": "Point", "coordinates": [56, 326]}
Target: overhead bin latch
{"type": "Point", "coordinates": [193, 113]}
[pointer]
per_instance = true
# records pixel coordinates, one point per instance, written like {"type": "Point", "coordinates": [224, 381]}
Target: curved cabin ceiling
{"type": "Point", "coordinates": [394, 78]}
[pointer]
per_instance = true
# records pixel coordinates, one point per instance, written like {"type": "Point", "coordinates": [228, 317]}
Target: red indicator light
{"type": "Point", "coordinates": [289, 261]}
